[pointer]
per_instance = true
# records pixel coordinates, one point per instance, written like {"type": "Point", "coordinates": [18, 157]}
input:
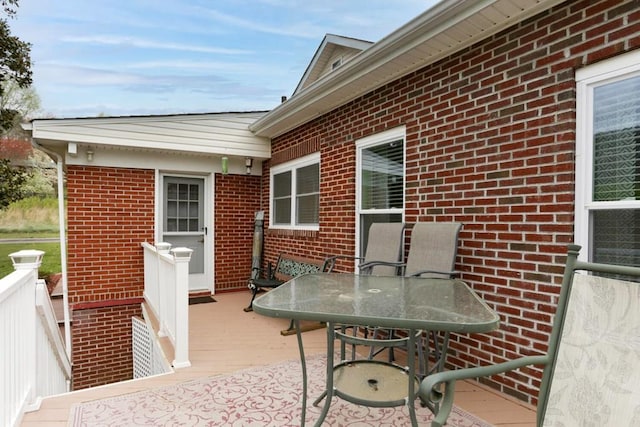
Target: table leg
{"type": "Point", "coordinates": [411, 364]}
{"type": "Point", "coordinates": [304, 373]}
{"type": "Point", "coordinates": [328, 393]}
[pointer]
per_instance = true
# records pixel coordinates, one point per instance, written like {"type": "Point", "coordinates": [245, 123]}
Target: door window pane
{"type": "Point", "coordinates": [183, 208]}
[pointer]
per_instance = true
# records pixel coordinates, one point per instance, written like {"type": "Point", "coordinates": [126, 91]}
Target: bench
{"type": "Point", "coordinates": [287, 267]}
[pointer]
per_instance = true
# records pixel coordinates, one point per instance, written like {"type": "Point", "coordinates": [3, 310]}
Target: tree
{"type": "Point", "coordinates": [12, 180]}
{"type": "Point", "coordinates": [15, 62]}
{"type": "Point", "coordinates": [17, 104]}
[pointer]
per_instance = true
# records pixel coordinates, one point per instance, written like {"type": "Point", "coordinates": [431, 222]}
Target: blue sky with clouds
{"type": "Point", "coordinates": [138, 57]}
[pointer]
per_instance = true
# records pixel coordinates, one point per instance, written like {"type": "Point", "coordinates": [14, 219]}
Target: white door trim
{"type": "Point", "coordinates": [207, 282]}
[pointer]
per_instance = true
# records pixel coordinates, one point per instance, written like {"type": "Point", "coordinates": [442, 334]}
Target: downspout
{"type": "Point", "coordinates": [57, 158]}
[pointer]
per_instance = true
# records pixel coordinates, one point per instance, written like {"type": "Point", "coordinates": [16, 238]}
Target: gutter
{"type": "Point", "coordinates": [57, 158]}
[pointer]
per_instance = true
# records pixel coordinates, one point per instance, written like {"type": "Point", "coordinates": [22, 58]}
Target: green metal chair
{"type": "Point", "coordinates": [432, 254]}
{"type": "Point", "coordinates": [591, 370]}
{"type": "Point", "coordinates": [384, 250]}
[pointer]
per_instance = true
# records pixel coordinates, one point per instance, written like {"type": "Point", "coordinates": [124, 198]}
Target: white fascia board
{"type": "Point", "coordinates": [313, 100]}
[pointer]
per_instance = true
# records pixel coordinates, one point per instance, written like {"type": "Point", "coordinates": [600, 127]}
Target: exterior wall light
{"type": "Point", "coordinates": [248, 162]}
{"type": "Point", "coordinates": [89, 155]}
{"type": "Point", "coordinates": [26, 259]}
{"type": "Point", "coordinates": [225, 165]}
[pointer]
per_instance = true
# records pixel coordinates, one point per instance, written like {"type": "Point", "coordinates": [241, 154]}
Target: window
{"type": "Point", "coordinates": [608, 161]}
{"type": "Point", "coordinates": [380, 181]}
{"type": "Point", "coordinates": [295, 194]}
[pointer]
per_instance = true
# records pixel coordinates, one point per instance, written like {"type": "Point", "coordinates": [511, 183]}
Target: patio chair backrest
{"type": "Point", "coordinates": [591, 371]}
{"type": "Point", "coordinates": [433, 247]}
{"type": "Point", "coordinates": [594, 376]}
{"type": "Point", "coordinates": [385, 243]}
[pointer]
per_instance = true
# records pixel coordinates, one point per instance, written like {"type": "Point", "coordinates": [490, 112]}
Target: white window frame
{"type": "Point", "coordinates": [371, 141]}
{"type": "Point", "coordinates": [292, 167]}
{"type": "Point", "coordinates": [587, 79]}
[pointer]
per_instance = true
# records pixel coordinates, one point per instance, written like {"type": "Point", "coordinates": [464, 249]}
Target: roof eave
{"type": "Point", "coordinates": [390, 59]}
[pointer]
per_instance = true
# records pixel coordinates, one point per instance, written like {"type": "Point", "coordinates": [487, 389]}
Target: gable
{"type": "Point", "coordinates": [333, 52]}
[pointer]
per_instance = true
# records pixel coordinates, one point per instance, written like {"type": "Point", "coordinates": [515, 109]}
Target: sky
{"type": "Point", "coordinates": [142, 57]}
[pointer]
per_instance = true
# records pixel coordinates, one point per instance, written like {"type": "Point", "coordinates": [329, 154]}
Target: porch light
{"type": "Point", "coordinates": [26, 259]}
{"type": "Point", "coordinates": [89, 155]}
{"type": "Point", "coordinates": [225, 165]}
{"type": "Point", "coordinates": [248, 162]}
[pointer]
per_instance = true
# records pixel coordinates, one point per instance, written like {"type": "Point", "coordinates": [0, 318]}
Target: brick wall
{"type": "Point", "coordinates": [110, 212]}
{"type": "Point", "coordinates": [102, 345]}
{"type": "Point", "coordinates": [236, 204]}
{"type": "Point", "coordinates": [490, 140]}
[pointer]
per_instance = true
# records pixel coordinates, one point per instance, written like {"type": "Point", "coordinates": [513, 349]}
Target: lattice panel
{"type": "Point", "coordinates": [148, 359]}
{"type": "Point", "coordinates": [142, 349]}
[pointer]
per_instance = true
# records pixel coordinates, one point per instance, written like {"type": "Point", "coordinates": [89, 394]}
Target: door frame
{"type": "Point", "coordinates": [207, 220]}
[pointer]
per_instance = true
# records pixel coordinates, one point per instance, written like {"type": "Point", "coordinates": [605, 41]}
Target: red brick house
{"type": "Point", "coordinates": [517, 118]}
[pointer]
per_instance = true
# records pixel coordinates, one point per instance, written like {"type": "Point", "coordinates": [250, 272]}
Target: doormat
{"type": "Point", "coordinates": [201, 300]}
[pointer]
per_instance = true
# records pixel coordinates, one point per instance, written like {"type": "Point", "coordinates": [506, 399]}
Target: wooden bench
{"type": "Point", "coordinates": [287, 267]}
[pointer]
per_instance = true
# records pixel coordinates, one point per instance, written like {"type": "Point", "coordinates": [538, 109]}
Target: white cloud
{"type": "Point", "coordinates": [150, 44]}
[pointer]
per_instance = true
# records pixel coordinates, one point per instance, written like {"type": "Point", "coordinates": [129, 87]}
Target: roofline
{"type": "Point", "coordinates": [137, 117]}
{"type": "Point", "coordinates": [304, 106]}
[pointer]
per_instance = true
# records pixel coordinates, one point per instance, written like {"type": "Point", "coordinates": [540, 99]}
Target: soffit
{"type": "Point", "coordinates": [446, 28]}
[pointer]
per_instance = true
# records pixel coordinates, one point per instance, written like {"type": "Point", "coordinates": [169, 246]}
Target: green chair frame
{"type": "Point", "coordinates": [437, 390]}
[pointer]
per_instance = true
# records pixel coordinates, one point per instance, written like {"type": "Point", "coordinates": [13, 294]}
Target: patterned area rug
{"type": "Point", "coordinates": [263, 396]}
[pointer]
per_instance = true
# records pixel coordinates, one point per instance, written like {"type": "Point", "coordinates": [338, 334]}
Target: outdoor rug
{"type": "Point", "coordinates": [261, 396]}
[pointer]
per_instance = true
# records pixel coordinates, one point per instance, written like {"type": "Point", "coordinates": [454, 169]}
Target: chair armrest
{"type": "Point", "coordinates": [330, 262]}
{"type": "Point", "coordinates": [451, 274]}
{"type": "Point", "coordinates": [366, 267]}
{"type": "Point", "coordinates": [432, 394]}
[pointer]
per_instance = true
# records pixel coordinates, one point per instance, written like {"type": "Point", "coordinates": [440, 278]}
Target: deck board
{"type": "Point", "coordinates": [224, 339]}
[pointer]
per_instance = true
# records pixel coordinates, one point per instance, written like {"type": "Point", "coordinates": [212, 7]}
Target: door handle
{"type": "Point", "coordinates": [201, 241]}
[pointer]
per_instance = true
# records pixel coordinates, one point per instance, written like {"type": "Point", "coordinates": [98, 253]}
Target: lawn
{"type": "Point", "coordinates": [28, 219]}
{"type": "Point", "coordinates": [50, 262]}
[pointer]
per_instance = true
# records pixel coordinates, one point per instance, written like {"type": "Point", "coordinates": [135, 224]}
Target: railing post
{"type": "Point", "coordinates": [29, 259]}
{"type": "Point", "coordinates": [162, 248]}
{"type": "Point", "coordinates": [182, 256]}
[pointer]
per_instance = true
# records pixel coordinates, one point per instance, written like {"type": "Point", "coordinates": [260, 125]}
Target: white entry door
{"type": "Point", "coordinates": [184, 224]}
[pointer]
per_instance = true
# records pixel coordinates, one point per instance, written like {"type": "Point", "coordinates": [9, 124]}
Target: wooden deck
{"type": "Point", "coordinates": [223, 339]}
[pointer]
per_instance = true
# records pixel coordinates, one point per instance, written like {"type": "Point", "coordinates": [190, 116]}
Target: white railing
{"type": "Point", "coordinates": [34, 362]}
{"type": "Point", "coordinates": [166, 291]}
{"type": "Point", "coordinates": [53, 369]}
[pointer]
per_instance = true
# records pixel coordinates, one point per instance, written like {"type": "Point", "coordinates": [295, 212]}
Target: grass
{"type": "Point", "coordinates": [50, 261]}
{"type": "Point", "coordinates": [30, 218]}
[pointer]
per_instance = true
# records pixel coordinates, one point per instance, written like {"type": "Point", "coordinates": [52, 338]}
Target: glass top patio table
{"type": "Point", "coordinates": [397, 302]}
{"type": "Point", "coordinates": [383, 301]}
